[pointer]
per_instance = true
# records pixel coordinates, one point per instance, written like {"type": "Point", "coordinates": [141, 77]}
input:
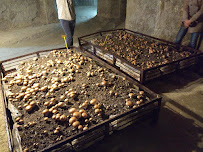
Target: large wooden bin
{"type": "Point", "coordinates": [139, 74]}
{"type": "Point", "coordinates": [95, 133]}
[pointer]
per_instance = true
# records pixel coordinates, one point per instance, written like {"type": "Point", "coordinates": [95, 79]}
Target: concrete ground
{"type": "Point", "coordinates": [180, 127]}
{"type": "Point", "coordinates": [20, 41]}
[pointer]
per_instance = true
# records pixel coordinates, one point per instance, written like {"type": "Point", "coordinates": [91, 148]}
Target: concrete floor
{"type": "Point", "coordinates": [180, 127]}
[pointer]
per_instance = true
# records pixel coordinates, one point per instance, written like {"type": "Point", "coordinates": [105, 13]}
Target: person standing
{"type": "Point", "coordinates": [192, 22]}
{"type": "Point", "coordinates": [67, 16]}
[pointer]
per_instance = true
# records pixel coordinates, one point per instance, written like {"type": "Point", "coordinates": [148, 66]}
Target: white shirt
{"type": "Point", "coordinates": [66, 10]}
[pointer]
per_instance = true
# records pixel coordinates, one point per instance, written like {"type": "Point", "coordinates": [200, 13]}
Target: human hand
{"type": "Point", "coordinates": [187, 23]}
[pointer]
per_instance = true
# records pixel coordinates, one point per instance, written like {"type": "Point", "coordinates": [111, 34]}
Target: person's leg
{"type": "Point", "coordinates": [181, 33]}
{"type": "Point", "coordinates": [193, 40]}
{"type": "Point", "coordinates": [68, 27]}
{"type": "Point", "coordinates": [199, 41]}
{"type": "Point", "coordinates": [72, 29]}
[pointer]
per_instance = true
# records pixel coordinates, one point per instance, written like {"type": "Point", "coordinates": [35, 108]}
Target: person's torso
{"type": "Point", "coordinates": [194, 6]}
{"type": "Point", "coordinates": [66, 10]}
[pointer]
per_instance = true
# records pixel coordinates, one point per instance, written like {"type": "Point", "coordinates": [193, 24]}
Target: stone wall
{"type": "Point", "coordinates": [159, 18]}
{"type": "Point", "coordinates": [23, 13]}
{"type": "Point", "coordinates": [111, 9]}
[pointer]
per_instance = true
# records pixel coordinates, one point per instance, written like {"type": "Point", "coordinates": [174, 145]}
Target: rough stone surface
{"type": "Point", "coordinates": [111, 8]}
{"type": "Point", "coordinates": [23, 13]}
{"type": "Point", "coordinates": [158, 18]}
{"type": "Point", "coordinates": [50, 11]}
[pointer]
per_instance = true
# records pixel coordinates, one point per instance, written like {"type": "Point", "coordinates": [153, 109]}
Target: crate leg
{"type": "Point", "coordinates": [107, 127]}
{"type": "Point", "coordinates": [156, 112]}
{"type": "Point", "coordinates": [94, 50]}
{"type": "Point", "coordinates": [155, 116]}
{"type": "Point", "coordinates": [2, 70]}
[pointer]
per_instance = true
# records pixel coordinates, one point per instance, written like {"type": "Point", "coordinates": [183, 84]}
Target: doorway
{"type": "Point", "coordinates": [85, 10]}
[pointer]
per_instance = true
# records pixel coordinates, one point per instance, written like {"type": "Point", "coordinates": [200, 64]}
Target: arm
{"type": "Point", "coordinates": [185, 10]}
{"type": "Point", "coordinates": [186, 21]}
{"type": "Point", "coordinates": [198, 14]}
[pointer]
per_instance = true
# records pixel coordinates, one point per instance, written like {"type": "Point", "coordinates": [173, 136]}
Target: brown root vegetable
{"type": "Point", "coordinates": [76, 124]}
{"type": "Point", "coordinates": [93, 101]}
{"type": "Point", "coordinates": [72, 120]}
{"type": "Point", "coordinates": [77, 114]}
{"type": "Point", "coordinates": [72, 110]}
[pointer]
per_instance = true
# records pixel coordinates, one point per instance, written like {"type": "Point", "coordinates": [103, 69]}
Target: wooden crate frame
{"type": "Point", "coordinates": [137, 73]}
{"type": "Point", "coordinates": [107, 127]}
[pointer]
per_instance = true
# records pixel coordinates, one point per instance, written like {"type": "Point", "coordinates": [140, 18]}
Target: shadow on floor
{"type": "Point", "coordinates": [183, 108]}
{"type": "Point", "coordinates": [173, 133]}
{"type": "Point", "coordinates": [176, 80]}
{"type": "Point", "coordinates": [184, 83]}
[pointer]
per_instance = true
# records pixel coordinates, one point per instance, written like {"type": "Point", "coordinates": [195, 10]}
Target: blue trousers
{"type": "Point", "coordinates": [68, 27]}
{"type": "Point", "coordinates": [193, 39]}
